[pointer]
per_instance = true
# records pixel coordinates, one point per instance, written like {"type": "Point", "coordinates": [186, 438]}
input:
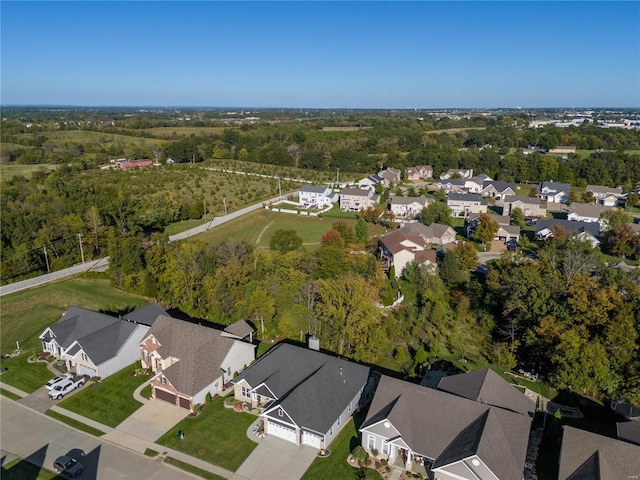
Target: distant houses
{"type": "Point", "coordinates": [462, 205]}
{"type": "Point", "coordinates": [315, 196]}
{"type": "Point", "coordinates": [133, 163]}
{"type": "Point", "coordinates": [419, 172]}
{"type": "Point", "coordinates": [357, 199]}
{"type": "Point", "coordinates": [554, 192]}
{"type": "Point", "coordinates": [408, 207]}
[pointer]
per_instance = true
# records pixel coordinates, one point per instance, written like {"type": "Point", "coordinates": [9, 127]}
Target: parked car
{"type": "Point", "coordinates": [67, 465]}
{"type": "Point", "coordinates": [55, 380]}
{"type": "Point", "coordinates": [66, 386]}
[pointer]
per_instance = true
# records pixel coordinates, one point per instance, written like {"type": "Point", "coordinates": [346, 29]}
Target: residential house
{"type": "Point", "coordinates": [434, 234]}
{"type": "Point", "coordinates": [554, 192]}
{"type": "Point", "coordinates": [315, 196]}
{"type": "Point", "coordinates": [191, 360]}
{"type": "Point", "coordinates": [305, 396]}
{"type": "Point", "coordinates": [497, 189]}
{"type": "Point", "coordinates": [473, 184]}
{"type": "Point", "coordinates": [356, 199]}
{"type": "Point", "coordinates": [628, 432]}
{"type": "Point", "coordinates": [586, 231]}
{"type": "Point", "coordinates": [452, 186]}
{"type": "Point", "coordinates": [457, 172]}
{"type": "Point", "coordinates": [587, 212]}
{"type": "Point", "coordinates": [370, 182]}
{"type": "Point", "coordinates": [419, 172]}
{"type": "Point", "coordinates": [392, 175]}
{"type": "Point", "coordinates": [586, 455]}
{"type": "Point", "coordinates": [96, 344]}
{"type": "Point", "coordinates": [505, 233]}
{"type": "Point", "coordinates": [607, 196]}
{"type": "Point", "coordinates": [408, 207]}
{"type": "Point", "coordinates": [441, 435]}
{"type": "Point", "coordinates": [463, 205]}
{"type": "Point", "coordinates": [399, 248]}
{"type": "Point", "coordinates": [533, 208]}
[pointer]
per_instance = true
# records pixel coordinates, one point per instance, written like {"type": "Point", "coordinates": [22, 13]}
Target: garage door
{"type": "Point", "coordinates": [283, 432]}
{"type": "Point", "coordinates": [312, 439]}
{"type": "Point", "coordinates": [185, 403]}
{"type": "Point", "coordinates": [166, 396]}
{"type": "Point", "coordinates": [82, 370]}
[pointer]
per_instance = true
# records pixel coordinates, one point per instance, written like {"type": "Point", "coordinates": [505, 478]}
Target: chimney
{"type": "Point", "coordinates": [314, 343]}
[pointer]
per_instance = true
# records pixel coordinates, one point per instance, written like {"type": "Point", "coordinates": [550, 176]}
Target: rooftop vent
{"type": "Point", "coordinates": [314, 343]}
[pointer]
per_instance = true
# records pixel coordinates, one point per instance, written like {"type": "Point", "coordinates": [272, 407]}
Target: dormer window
{"type": "Point", "coordinates": [280, 412]}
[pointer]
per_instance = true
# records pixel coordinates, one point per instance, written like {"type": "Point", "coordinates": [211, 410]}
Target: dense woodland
{"type": "Point", "coordinates": [565, 314]}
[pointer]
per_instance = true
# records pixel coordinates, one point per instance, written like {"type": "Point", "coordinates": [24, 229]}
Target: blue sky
{"type": "Point", "coordinates": [321, 54]}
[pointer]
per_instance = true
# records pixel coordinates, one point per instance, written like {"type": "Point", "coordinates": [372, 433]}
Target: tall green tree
{"type": "Point", "coordinates": [436, 212]}
{"type": "Point", "coordinates": [285, 241]}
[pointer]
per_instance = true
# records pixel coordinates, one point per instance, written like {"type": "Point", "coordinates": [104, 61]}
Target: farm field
{"type": "Point", "coordinates": [102, 138]}
{"type": "Point", "coordinates": [8, 171]}
{"type": "Point", "coordinates": [257, 228]}
{"type": "Point", "coordinates": [185, 131]}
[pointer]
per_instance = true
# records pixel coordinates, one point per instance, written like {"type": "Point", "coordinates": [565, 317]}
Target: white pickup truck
{"type": "Point", "coordinates": [66, 386]}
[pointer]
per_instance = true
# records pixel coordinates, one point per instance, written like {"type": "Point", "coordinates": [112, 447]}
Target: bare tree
{"type": "Point", "coordinates": [294, 151]}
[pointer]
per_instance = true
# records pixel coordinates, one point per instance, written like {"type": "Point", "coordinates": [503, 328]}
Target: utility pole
{"type": "Point", "coordinates": [279, 189]}
{"type": "Point", "coordinates": [81, 251]}
{"type": "Point", "coordinates": [338, 176]}
{"type": "Point", "coordinates": [46, 258]}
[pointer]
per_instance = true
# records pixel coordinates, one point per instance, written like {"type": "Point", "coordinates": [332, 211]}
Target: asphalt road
{"type": "Point", "coordinates": [102, 263]}
{"type": "Point", "coordinates": [30, 435]}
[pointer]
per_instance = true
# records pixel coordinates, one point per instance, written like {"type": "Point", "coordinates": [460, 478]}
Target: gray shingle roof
{"type": "Point", "coordinates": [486, 386]}
{"type": "Point", "coordinates": [312, 387]}
{"type": "Point", "coordinates": [465, 197]}
{"type": "Point", "coordinates": [313, 189]}
{"type": "Point", "coordinates": [101, 336]}
{"type": "Point", "coordinates": [147, 314]}
{"type": "Point", "coordinates": [556, 186]}
{"type": "Point", "coordinates": [240, 329]}
{"type": "Point", "coordinates": [587, 455]}
{"type": "Point", "coordinates": [569, 227]}
{"type": "Point", "coordinates": [498, 185]}
{"type": "Point", "coordinates": [629, 432]}
{"type": "Point", "coordinates": [200, 350]}
{"type": "Point", "coordinates": [444, 427]}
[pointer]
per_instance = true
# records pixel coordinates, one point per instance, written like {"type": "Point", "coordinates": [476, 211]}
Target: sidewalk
{"type": "Point", "coordinates": [14, 390]}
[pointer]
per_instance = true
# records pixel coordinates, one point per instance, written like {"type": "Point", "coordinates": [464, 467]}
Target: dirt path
{"type": "Point", "coordinates": [263, 230]}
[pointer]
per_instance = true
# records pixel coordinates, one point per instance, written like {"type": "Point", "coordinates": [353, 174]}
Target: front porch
{"type": "Point", "coordinates": [415, 464]}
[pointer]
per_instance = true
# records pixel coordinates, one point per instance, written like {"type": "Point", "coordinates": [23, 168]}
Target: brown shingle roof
{"type": "Point", "coordinates": [200, 350]}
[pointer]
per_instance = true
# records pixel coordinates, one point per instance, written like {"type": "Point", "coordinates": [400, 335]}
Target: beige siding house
{"type": "Point", "coordinates": [356, 199]}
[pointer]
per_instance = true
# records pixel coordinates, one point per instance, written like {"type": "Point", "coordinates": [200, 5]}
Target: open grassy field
{"type": "Point", "coordinates": [257, 228]}
{"type": "Point", "coordinates": [102, 138]}
{"type": "Point", "coordinates": [218, 436]}
{"type": "Point", "coordinates": [26, 314]}
{"type": "Point", "coordinates": [11, 170]}
{"type": "Point", "coordinates": [185, 131]}
{"type": "Point", "coordinates": [110, 401]}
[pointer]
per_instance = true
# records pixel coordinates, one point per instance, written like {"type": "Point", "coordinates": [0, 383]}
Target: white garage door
{"type": "Point", "coordinates": [283, 432]}
{"type": "Point", "coordinates": [312, 439]}
{"type": "Point", "coordinates": [82, 370]}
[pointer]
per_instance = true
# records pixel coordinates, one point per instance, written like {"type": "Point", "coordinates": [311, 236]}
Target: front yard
{"type": "Point", "coordinates": [335, 465]}
{"type": "Point", "coordinates": [110, 401]}
{"type": "Point", "coordinates": [217, 436]}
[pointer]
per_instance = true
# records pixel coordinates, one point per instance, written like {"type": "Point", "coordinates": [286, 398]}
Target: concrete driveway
{"type": "Point", "coordinates": [150, 421]}
{"type": "Point", "coordinates": [276, 458]}
{"type": "Point", "coordinates": [40, 401]}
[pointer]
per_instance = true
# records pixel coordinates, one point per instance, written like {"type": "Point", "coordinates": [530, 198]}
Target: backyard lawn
{"type": "Point", "coordinates": [335, 465]}
{"type": "Point", "coordinates": [109, 402]}
{"type": "Point", "coordinates": [21, 470]}
{"type": "Point", "coordinates": [217, 436]}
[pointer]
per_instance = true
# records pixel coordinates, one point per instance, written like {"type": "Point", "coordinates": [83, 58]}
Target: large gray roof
{"type": "Point", "coordinates": [448, 428]}
{"type": "Point", "coordinates": [313, 189]}
{"type": "Point", "coordinates": [569, 227]}
{"type": "Point", "coordinates": [312, 387]}
{"type": "Point", "coordinates": [100, 335]}
{"type": "Point", "coordinates": [200, 350]}
{"type": "Point", "coordinates": [147, 314]}
{"type": "Point", "coordinates": [629, 431]}
{"type": "Point", "coordinates": [586, 455]}
{"type": "Point", "coordinates": [486, 386]}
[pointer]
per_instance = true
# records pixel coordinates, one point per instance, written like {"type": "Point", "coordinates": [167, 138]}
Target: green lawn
{"type": "Point", "coordinates": [217, 436]}
{"type": "Point", "coordinates": [28, 377]}
{"type": "Point", "coordinates": [21, 470]}
{"type": "Point", "coordinates": [184, 225]}
{"type": "Point", "coordinates": [9, 394]}
{"type": "Point", "coordinates": [109, 402]}
{"type": "Point", "coordinates": [74, 423]}
{"type": "Point", "coordinates": [13, 170]}
{"type": "Point", "coordinates": [335, 465]}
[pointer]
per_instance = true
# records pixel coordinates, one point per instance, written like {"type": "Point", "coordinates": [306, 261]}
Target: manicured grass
{"type": "Point", "coordinates": [21, 469]}
{"type": "Point", "coordinates": [184, 225]}
{"type": "Point", "coordinates": [109, 402]}
{"type": "Point", "coordinates": [9, 394]}
{"type": "Point", "coordinates": [191, 469]}
{"type": "Point", "coordinates": [28, 377]}
{"type": "Point", "coordinates": [146, 391]}
{"type": "Point", "coordinates": [13, 170]}
{"type": "Point", "coordinates": [74, 423]}
{"type": "Point", "coordinates": [217, 436]}
{"type": "Point", "coordinates": [263, 347]}
{"type": "Point", "coordinates": [151, 453]}
{"type": "Point", "coordinates": [335, 465]}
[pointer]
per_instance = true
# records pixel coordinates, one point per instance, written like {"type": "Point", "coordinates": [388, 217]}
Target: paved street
{"type": "Point", "coordinates": [25, 433]}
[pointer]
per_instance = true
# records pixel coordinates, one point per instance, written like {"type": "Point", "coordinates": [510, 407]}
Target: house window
{"type": "Point", "coordinates": [350, 406]}
{"type": "Point", "coordinates": [371, 442]}
{"type": "Point", "coordinates": [163, 380]}
{"type": "Point", "coordinates": [146, 356]}
{"type": "Point", "coordinates": [245, 392]}
{"type": "Point", "coordinates": [339, 421]}
{"type": "Point", "coordinates": [280, 412]}
{"type": "Point", "coordinates": [385, 448]}
{"type": "Point", "coordinates": [84, 357]}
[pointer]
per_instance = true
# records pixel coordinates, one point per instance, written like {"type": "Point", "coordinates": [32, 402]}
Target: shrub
{"type": "Point", "coordinates": [375, 452]}
{"type": "Point", "coordinates": [360, 454]}
{"type": "Point", "coordinates": [384, 462]}
{"type": "Point", "coordinates": [207, 399]}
